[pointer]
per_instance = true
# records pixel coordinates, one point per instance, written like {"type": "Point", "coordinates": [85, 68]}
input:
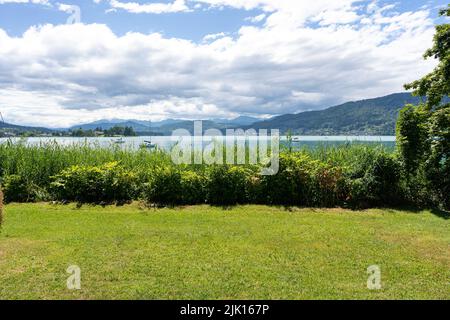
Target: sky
{"type": "Point", "coordinates": [68, 62]}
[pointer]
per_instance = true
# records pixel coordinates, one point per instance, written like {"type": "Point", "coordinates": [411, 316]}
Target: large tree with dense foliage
{"type": "Point", "coordinates": [424, 131]}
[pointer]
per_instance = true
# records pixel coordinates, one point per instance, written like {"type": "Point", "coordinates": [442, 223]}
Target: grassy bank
{"type": "Point", "coordinates": [201, 252]}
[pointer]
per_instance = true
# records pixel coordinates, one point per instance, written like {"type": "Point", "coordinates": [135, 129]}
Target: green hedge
{"type": "Point", "coordinates": [107, 183]}
{"type": "Point", "coordinates": [1, 206]}
{"type": "Point", "coordinates": [164, 187]}
{"type": "Point", "coordinates": [354, 176]}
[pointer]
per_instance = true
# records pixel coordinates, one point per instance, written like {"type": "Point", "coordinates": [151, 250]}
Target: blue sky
{"type": "Point", "coordinates": [198, 59]}
{"type": "Point", "coordinates": [16, 18]}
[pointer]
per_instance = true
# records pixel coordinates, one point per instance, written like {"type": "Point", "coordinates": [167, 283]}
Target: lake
{"type": "Point", "coordinates": [167, 142]}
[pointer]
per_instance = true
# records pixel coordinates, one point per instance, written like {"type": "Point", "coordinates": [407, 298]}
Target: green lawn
{"type": "Point", "coordinates": [251, 252]}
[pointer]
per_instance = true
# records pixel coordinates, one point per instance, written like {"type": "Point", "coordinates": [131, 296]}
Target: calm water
{"type": "Point", "coordinates": [167, 142]}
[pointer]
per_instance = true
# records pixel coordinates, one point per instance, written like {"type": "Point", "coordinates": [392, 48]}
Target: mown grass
{"type": "Point", "coordinates": [202, 252]}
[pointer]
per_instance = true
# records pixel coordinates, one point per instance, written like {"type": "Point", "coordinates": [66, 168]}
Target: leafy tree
{"type": "Point", "coordinates": [436, 85]}
{"type": "Point", "coordinates": [129, 132]}
{"type": "Point", "coordinates": [412, 136]}
{"type": "Point", "coordinates": [437, 165]}
{"type": "Point", "coordinates": [78, 133]}
{"type": "Point", "coordinates": [115, 131]}
{"type": "Point", "coordinates": [423, 131]}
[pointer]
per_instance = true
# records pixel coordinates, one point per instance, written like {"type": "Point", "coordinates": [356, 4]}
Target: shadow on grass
{"type": "Point", "coordinates": [436, 211]}
{"type": "Point", "coordinates": [80, 204]}
{"type": "Point", "coordinates": [411, 210]}
{"type": "Point", "coordinates": [404, 209]}
{"type": "Point", "coordinates": [441, 214]}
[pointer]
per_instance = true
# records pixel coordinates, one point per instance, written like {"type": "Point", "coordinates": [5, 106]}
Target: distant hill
{"type": "Point", "coordinates": [7, 128]}
{"type": "Point", "coordinates": [239, 121]}
{"type": "Point", "coordinates": [166, 127]}
{"type": "Point", "coordinates": [158, 124]}
{"type": "Point", "coordinates": [366, 117]}
{"type": "Point", "coordinates": [108, 124]}
{"type": "Point", "coordinates": [220, 124]}
{"type": "Point", "coordinates": [189, 126]}
{"type": "Point", "coordinates": [138, 125]}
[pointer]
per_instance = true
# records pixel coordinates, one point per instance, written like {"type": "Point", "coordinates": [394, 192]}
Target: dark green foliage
{"type": "Point", "coordinates": [90, 184]}
{"type": "Point", "coordinates": [304, 181]}
{"type": "Point", "coordinates": [120, 131]}
{"type": "Point", "coordinates": [375, 181]}
{"type": "Point", "coordinates": [193, 188]}
{"type": "Point", "coordinates": [290, 185]}
{"type": "Point", "coordinates": [219, 185]}
{"type": "Point", "coordinates": [328, 186]}
{"type": "Point", "coordinates": [412, 136]}
{"type": "Point", "coordinates": [428, 176]}
{"type": "Point", "coordinates": [173, 186]}
{"type": "Point", "coordinates": [437, 166]}
{"type": "Point", "coordinates": [17, 189]}
{"type": "Point", "coordinates": [119, 184]}
{"type": "Point", "coordinates": [111, 132]}
{"type": "Point", "coordinates": [164, 187]}
{"type": "Point", "coordinates": [228, 185]}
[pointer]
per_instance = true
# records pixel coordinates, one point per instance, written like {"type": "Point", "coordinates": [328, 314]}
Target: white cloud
{"type": "Point", "coordinates": [42, 2]}
{"type": "Point", "coordinates": [214, 36]}
{"type": "Point", "coordinates": [298, 60]}
{"type": "Point", "coordinates": [52, 113]}
{"type": "Point", "coordinates": [150, 7]}
{"type": "Point", "coordinates": [65, 7]}
{"type": "Point", "coordinates": [257, 18]}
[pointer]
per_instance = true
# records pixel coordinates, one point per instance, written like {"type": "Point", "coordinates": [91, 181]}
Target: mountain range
{"type": "Point", "coordinates": [365, 117]}
{"type": "Point", "coordinates": [376, 116]}
{"type": "Point", "coordinates": [166, 127]}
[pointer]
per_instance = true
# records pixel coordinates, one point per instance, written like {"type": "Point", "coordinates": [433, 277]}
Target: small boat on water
{"type": "Point", "coordinates": [119, 141]}
{"type": "Point", "coordinates": [149, 145]}
{"type": "Point", "coordinates": [296, 139]}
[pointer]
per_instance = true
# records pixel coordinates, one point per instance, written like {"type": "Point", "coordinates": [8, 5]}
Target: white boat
{"type": "Point", "coordinates": [119, 141]}
{"type": "Point", "coordinates": [149, 144]}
